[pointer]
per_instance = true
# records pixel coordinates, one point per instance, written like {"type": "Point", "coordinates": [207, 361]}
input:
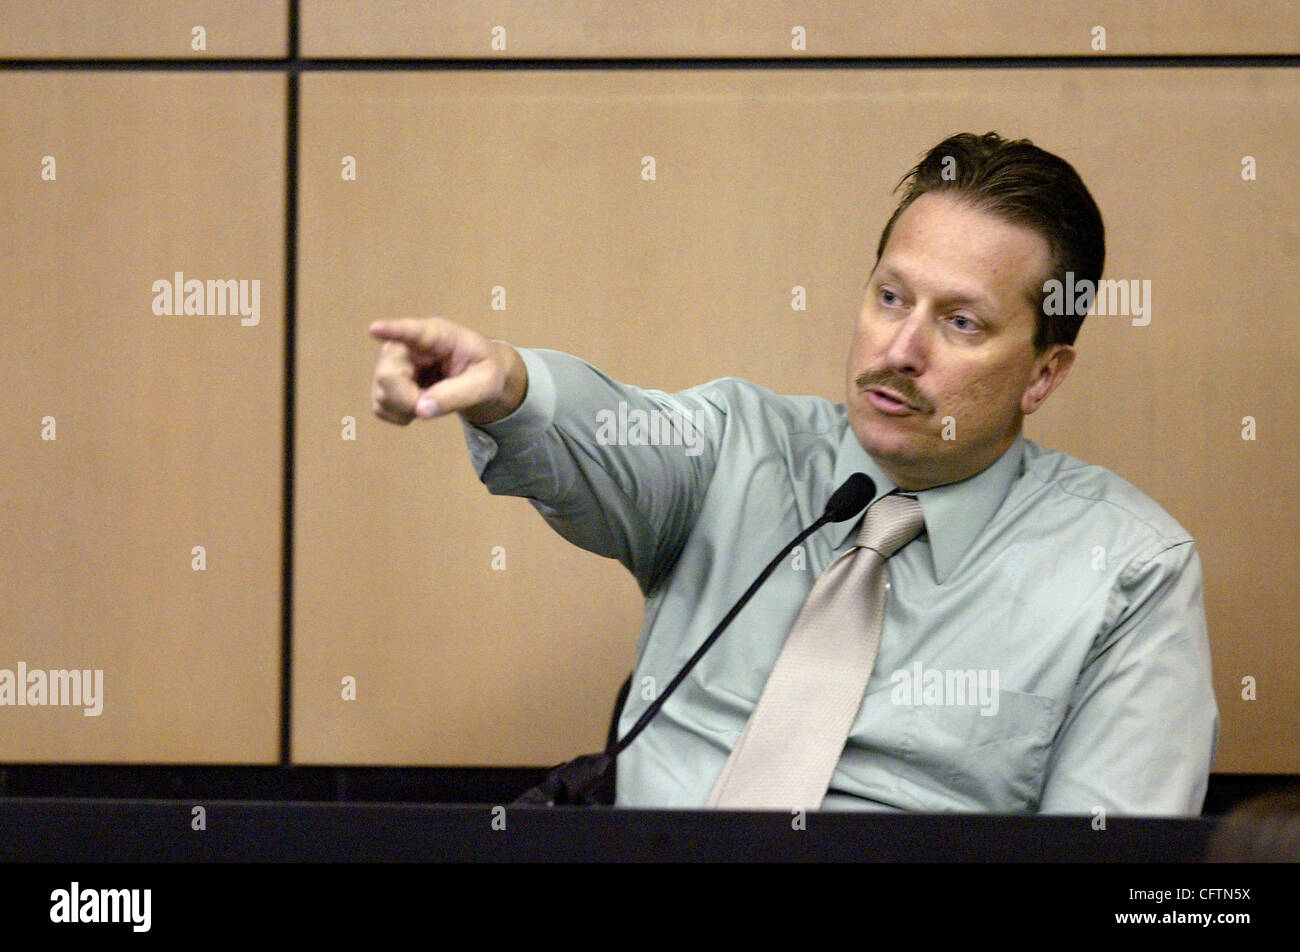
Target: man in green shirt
{"type": "Point", "coordinates": [1044, 646]}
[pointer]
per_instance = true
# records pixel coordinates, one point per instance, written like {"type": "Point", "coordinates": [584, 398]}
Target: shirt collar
{"type": "Point", "coordinates": [955, 514]}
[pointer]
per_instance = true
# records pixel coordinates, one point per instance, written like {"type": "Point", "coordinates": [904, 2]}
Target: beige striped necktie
{"type": "Point", "coordinates": [787, 753]}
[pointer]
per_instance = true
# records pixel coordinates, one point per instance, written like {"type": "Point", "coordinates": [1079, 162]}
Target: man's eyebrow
{"type": "Point", "coordinates": [885, 272]}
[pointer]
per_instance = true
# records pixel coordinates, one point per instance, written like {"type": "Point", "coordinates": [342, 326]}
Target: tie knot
{"type": "Point", "coordinates": [890, 523]}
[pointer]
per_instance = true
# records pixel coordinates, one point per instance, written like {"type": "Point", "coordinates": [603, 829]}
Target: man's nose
{"type": "Point", "coordinates": [909, 343]}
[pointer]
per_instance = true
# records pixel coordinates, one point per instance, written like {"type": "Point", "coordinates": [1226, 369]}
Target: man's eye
{"type": "Point", "coordinates": [963, 323]}
{"type": "Point", "coordinates": [889, 298]}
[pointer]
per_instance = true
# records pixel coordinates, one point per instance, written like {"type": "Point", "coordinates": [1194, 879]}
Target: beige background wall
{"type": "Point", "coordinates": [672, 28]}
{"type": "Point", "coordinates": [171, 430]}
{"type": "Point", "coordinates": [189, 29]}
{"type": "Point", "coordinates": [167, 429]}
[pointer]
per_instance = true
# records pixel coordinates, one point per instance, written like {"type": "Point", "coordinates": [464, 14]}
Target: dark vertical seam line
{"type": "Point", "coordinates": [290, 386]}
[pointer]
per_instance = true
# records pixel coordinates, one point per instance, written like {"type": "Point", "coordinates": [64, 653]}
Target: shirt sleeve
{"type": "Point", "coordinates": [616, 469]}
{"type": "Point", "coordinates": [1142, 727]}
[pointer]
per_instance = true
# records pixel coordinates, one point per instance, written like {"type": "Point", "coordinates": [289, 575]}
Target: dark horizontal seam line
{"type": "Point", "coordinates": [314, 64]}
{"type": "Point", "coordinates": [166, 65]}
{"type": "Point", "coordinates": [795, 62]}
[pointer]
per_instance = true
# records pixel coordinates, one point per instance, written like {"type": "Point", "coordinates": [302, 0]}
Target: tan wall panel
{"type": "Point", "coordinates": [140, 28]}
{"type": "Point", "coordinates": [765, 180]}
{"type": "Point", "coordinates": [169, 428]}
{"type": "Point", "coordinates": [590, 28]}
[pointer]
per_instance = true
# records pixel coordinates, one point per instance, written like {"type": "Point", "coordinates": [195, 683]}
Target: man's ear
{"type": "Point", "coordinates": [1049, 371]}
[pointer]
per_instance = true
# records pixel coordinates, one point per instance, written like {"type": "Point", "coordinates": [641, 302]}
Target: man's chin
{"type": "Point", "coordinates": [883, 439]}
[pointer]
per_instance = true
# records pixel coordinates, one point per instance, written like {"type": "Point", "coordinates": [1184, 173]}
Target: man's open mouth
{"type": "Point", "coordinates": [888, 401]}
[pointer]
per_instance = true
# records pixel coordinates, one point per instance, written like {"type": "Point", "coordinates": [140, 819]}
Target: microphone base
{"type": "Point", "coordinates": [584, 781]}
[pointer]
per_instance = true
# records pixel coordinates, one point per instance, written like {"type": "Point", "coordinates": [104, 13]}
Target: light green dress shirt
{"type": "Point", "coordinates": [1044, 647]}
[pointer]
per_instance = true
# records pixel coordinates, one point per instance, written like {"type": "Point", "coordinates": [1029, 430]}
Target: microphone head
{"type": "Point", "coordinates": [850, 499]}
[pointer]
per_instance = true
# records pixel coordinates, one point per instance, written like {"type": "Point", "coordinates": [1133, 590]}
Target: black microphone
{"type": "Point", "coordinates": [570, 782]}
{"type": "Point", "coordinates": [849, 500]}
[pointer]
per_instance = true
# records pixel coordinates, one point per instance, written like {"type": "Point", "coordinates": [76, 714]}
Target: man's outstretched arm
{"type": "Point", "coordinates": [542, 436]}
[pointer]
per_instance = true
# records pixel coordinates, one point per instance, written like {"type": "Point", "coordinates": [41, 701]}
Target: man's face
{"type": "Point", "coordinates": [947, 325]}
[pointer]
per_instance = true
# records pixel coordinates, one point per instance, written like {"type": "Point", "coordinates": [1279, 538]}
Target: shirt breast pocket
{"type": "Point", "coordinates": [982, 757]}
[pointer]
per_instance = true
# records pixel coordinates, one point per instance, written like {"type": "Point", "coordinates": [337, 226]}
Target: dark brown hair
{"type": "Point", "coordinates": [1023, 185]}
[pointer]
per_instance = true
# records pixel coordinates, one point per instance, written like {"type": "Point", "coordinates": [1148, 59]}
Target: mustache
{"type": "Point", "coordinates": [899, 384]}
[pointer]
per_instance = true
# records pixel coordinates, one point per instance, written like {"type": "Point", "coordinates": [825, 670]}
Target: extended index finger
{"type": "Point", "coordinates": [412, 331]}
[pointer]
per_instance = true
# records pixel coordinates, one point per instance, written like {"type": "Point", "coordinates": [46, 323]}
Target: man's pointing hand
{"type": "Point", "coordinates": [430, 367]}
